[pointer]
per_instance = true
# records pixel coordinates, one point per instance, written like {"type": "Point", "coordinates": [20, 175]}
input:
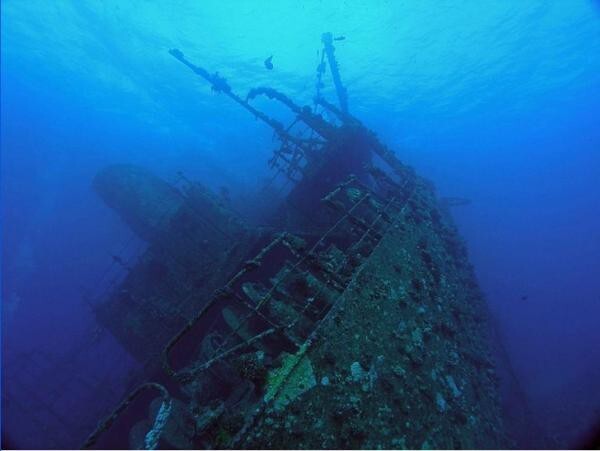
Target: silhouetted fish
{"type": "Point", "coordinates": [269, 63]}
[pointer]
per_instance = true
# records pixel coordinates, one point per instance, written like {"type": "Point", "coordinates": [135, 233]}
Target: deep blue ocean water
{"type": "Point", "coordinates": [495, 101]}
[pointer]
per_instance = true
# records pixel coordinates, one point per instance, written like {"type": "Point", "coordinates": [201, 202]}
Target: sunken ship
{"type": "Point", "coordinates": [352, 319]}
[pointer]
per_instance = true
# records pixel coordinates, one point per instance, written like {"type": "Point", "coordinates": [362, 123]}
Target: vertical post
{"type": "Point", "coordinates": [327, 39]}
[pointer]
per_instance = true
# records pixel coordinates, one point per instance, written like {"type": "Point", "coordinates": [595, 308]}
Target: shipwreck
{"type": "Point", "coordinates": [352, 319]}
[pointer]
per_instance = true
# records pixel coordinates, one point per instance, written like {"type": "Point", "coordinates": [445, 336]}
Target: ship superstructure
{"type": "Point", "coordinates": [351, 320]}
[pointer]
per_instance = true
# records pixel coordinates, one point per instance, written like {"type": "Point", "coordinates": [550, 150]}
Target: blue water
{"type": "Point", "coordinates": [497, 102]}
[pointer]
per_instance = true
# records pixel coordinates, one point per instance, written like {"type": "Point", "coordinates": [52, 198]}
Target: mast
{"type": "Point", "coordinates": [342, 93]}
{"type": "Point", "coordinates": [219, 84]}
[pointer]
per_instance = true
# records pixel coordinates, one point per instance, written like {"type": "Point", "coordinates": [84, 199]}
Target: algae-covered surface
{"type": "Point", "coordinates": [287, 382]}
{"type": "Point", "coordinates": [404, 361]}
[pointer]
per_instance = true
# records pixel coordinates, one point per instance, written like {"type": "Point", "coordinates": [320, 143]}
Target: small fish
{"type": "Point", "coordinates": [339, 38]}
{"type": "Point", "coordinates": [524, 297]}
{"type": "Point", "coordinates": [269, 63]}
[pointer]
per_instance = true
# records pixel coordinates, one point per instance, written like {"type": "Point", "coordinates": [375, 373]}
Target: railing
{"type": "Point", "coordinates": [278, 300]}
{"type": "Point", "coordinates": [109, 421]}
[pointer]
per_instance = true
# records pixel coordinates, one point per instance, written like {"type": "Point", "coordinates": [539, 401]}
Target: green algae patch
{"type": "Point", "coordinates": [294, 377]}
{"type": "Point", "coordinates": [233, 321]}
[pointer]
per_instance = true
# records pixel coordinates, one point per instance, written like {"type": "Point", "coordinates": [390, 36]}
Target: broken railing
{"type": "Point", "coordinates": [305, 283]}
{"type": "Point", "coordinates": [153, 434]}
{"type": "Point", "coordinates": [324, 267]}
{"type": "Point", "coordinates": [305, 279]}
